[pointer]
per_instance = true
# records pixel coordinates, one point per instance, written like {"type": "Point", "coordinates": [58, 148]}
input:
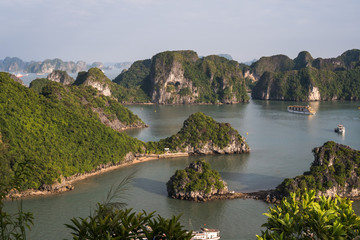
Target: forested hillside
{"type": "Point", "coordinates": [46, 137]}
{"type": "Point", "coordinates": [109, 111]}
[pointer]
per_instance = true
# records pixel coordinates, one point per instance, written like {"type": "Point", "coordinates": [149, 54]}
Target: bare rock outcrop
{"type": "Point", "coordinates": [314, 94]}
{"type": "Point", "coordinates": [61, 77]}
{"type": "Point", "coordinates": [111, 120]}
{"type": "Point", "coordinates": [96, 79]}
{"type": "Point", "coordinates": [235, 145]}
{"type": "Point", "coordinates": [174, 88]}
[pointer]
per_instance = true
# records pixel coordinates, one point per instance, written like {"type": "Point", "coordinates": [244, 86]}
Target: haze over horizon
{"type": "Point", "coordinates": [130, 30]}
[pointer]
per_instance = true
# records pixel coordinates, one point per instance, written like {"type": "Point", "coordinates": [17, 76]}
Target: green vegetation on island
{"type": "Point", "coordinates": [196, 182]}
{"type": "Point", "coordinates": [277, 63]}
{"type": "Point", "coordinates": [175, 77]}
{"type": "Point", "coordinates": [335, 171]}
{"type": "Point", "coordinates": [136, 75]}
{"type": "Point", "coordinates": [92, 75]}
{"type": "Point", "coordinates": [308, 79]}
{"type": "Point", "coordinates": [108, 110]}
{"type": "Point", "coordinates": [97, 79]}
{"type": "Point", "coordinates": [201, 134]}
{"type": "Point", "coordinates": [38, 84]}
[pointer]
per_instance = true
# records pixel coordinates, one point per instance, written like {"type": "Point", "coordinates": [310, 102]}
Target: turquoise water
{"type": "Point", "coordinates": [281, 144]}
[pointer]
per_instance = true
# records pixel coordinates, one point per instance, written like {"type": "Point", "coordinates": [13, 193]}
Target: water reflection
{"type": "Point", "coordinates": [150, 185]}
{"type": "Point", "coordinates": [249, 182]}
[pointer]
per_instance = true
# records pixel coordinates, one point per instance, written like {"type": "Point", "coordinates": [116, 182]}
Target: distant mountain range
{"type": "Point", "coordinates": [14, 64]}
{"type": "Point", "coordinates": [182, 77]}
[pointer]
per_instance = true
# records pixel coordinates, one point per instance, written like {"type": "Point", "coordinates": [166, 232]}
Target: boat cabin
{"type": "Point", "coordinates": [206, 233]}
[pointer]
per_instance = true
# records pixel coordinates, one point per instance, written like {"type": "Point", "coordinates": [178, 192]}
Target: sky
{"type": "Point", "coordinates": [130, 30]}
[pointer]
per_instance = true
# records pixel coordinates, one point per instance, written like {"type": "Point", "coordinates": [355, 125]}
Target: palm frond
{"type": "Point", "coordinates": [117, 193]}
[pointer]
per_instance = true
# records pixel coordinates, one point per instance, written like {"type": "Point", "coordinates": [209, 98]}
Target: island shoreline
{"type": "Point", "coordinates": [66, 184]}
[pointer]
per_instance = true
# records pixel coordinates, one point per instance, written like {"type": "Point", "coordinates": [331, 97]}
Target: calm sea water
{"type": "Point", "coordinates": [281, 144]}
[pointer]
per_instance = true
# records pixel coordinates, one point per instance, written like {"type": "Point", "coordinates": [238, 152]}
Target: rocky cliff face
{"type": "Point", "coordinates": [198, 182]}
{"type": "Point", "coordinates": [61, 77]}
{"type": "Point", "coordinates": [235, 145]}
{"type": "Point", "coordinates": [96, 79]}
{"type": "Point", "coordinates": [251, 75]}
{"type": "Point", "coordinates": [181, 77]}
{"type": "Point", "coordinates": [314, 94]}
{"type": "Point", "coordinates": [335, 171]}
{"type": "Point", "coordinates": [111, 120]}
{"type": "Point", "coordinates": [171, 86]}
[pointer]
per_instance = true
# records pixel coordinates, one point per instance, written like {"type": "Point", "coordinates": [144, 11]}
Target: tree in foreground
{"type": "Point", "coordinates": [13, 226]}
{"type": "Point", "coordinates": [111, 220]}
{"type": "Point", "coordinates": [307, 217]}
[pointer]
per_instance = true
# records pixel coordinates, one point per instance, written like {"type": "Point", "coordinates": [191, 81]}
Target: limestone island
{"type": "Point", "coordinates": [199, 183]}
{"type": "Point", "coordinates": [202, 135]}
{"type": "Point", "coordinates": [334, 171]}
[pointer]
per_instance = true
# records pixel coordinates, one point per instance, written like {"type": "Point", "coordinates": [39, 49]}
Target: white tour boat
{"type": "Point", "coordinates": [301, 109]}
{"type": "Point", "coordinates": [340, 129]}
{"type": "Point", "coordinates": [206, 233]}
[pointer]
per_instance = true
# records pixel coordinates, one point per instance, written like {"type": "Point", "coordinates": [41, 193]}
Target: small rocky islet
{"type": "Point", "coordinates": [202, 135]}
{"type": "Point", "coordinates": [199, 183]}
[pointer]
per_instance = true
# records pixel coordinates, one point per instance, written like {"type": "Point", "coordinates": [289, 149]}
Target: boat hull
{"type": "Point", "coordinates": [301, 112]}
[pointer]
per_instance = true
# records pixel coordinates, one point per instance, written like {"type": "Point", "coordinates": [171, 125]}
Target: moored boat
{"type": "Point", "coordinates": [301, 109]}
{"type": "Point", "coordinates": [340, 129]}
{"type": "Point", "coordinates": [206, 233]}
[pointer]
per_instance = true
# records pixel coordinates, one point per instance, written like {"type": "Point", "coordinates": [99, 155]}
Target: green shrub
{"type": "Point", "coordinates": [306, 217]}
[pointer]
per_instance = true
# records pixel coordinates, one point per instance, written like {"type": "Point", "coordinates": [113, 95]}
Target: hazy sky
{"type": "Point", "coordinates": [129, 30]}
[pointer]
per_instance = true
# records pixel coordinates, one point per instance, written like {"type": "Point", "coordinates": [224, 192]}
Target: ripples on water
{"type": "Point", "coordinates": [281, 144]}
